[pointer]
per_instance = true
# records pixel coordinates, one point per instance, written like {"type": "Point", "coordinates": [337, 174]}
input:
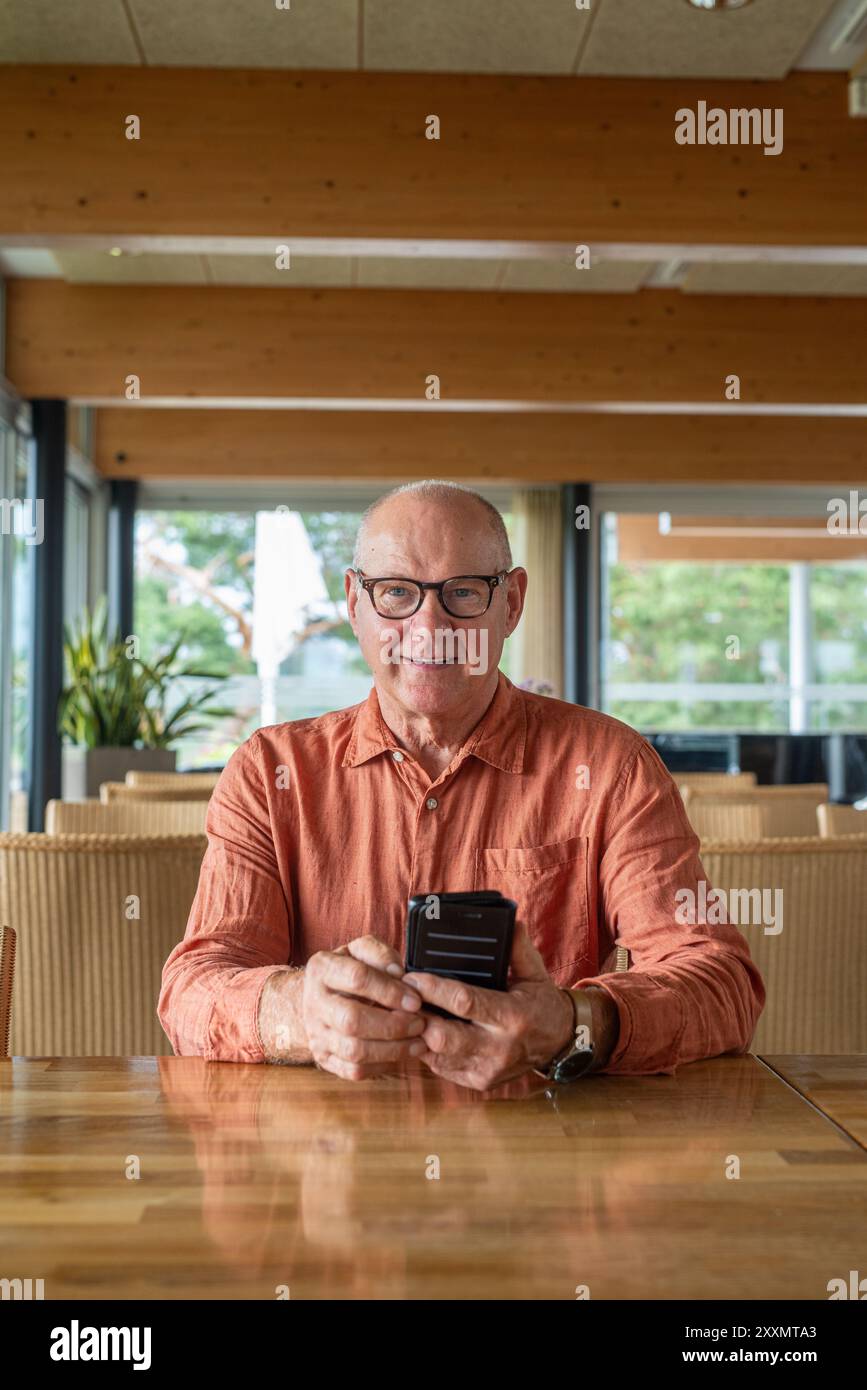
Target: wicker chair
{"type": "Point", "coordinates": [7, 976]}
{"type": "Point", "coordinates": [174, 781]}
{"type": "Point", "coordinates": [815, 969]}
{"type": "Point", "coordinates": [111, 792]}
{"type": "Point", "coordinates": [126, 818]}
{"type": "Point", "coordinates": [725, 818]}
{"type": "Point", "coordinates": [840, 820]}
{"type": "Point", "coordinates": [88, 974]}
{"type": "Point", "coordinates": [720, 782]}
{"type": "Point", "coordinates": [762, 813]}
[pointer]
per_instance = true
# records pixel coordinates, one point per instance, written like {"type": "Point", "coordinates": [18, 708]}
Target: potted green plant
{"type": "Point", "coordinates": [115, 714]}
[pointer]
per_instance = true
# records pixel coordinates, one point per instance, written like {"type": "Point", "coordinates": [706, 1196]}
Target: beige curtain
{"type": "Point", "coordinates": [537, 536]}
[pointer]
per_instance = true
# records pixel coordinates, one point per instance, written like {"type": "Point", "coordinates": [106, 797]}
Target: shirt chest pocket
{"type": "Point", "coordinates": [549, 884]}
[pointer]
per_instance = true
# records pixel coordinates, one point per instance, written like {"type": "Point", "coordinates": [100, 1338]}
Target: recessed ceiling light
{"type": "Point", "coordinates": [718, 4]}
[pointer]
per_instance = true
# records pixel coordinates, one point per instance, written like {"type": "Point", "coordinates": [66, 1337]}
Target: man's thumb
{"type": "Point", "coordinates": [527, 964]}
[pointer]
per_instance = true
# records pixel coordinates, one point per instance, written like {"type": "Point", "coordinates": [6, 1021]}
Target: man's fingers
{"type": "Point", "coordinates": [349, 1071]}
{"type": "Point", "coordinates": [465, 1001]}
{"type": "Point", "coordinates": [351, 976]}
{"type": "Point", "coordinates": [376, 953]}
{"type": "Point", "coordinates": [452, 1040]}
{"type": "Point", "coordinates": [355, 1019]}
{"type": "Point", "coordinates": [366, 1051]}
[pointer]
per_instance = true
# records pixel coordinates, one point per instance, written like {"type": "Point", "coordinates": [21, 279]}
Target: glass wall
{"type": "Point", "coordinates": [837, 694]}
{"type": "Point", "coordinates": [18, 536]}
{"type": "Point", "coordinates": [716, 638]}
{"type": "Point", "coordinates": [83, 576]}
{"type": "Point", "coordinates": [286, 648]}
{"type": "Point", "coordinates": [76, 550]}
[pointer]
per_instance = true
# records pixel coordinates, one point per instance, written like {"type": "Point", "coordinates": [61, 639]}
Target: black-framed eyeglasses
{"type": "Point", "coordinates": [465, 596]}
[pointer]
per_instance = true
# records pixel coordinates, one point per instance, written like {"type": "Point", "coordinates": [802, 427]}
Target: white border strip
{"type": "Point", "coordinates": [401, 248]}
{"type": "Point", "coordinates": [395, 404]}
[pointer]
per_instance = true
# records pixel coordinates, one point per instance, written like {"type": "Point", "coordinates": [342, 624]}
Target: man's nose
{"type": "Point", "coordinates": [431, 615]}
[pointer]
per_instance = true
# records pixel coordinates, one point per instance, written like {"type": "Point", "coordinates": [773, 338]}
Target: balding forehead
{"type": "Point", "coordinates": [411, 529]}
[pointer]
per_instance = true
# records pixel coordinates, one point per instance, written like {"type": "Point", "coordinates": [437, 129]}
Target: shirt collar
{"type": "Point", "coordinates": [499, 738]}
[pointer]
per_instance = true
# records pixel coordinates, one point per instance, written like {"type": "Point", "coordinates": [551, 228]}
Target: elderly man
{"type": "Point", "coordinates": [449, 778]}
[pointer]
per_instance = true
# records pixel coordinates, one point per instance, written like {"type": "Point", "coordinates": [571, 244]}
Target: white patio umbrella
{"type": "Point", "coordinates": [287, 580]}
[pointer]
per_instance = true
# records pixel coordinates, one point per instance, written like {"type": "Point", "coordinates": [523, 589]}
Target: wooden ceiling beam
{"type": "Point", "coordinates": [716, 540]}
{"type": "Point", "coordinates": [344, 154]}
{"type": "Point", "coordinates": [199, 443]}
{"type": "Point", "coordinates": [84, 342]}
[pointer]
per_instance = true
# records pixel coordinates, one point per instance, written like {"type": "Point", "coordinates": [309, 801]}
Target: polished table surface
{"type": "Point", "coordinates": [257, 1177]}
{"type": "Point", "coordinates": [835, 1085]}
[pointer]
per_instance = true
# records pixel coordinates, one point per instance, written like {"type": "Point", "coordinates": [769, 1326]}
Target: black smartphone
{"type": "Point", "coordinates": [464, 936]}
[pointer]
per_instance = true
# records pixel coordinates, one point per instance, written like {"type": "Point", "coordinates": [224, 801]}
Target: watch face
{"type": "Point", "coordinates": [574, 1065]}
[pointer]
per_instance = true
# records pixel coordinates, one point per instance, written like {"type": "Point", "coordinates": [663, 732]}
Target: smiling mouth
{"type": "Point", "coordinates": [408, 661]}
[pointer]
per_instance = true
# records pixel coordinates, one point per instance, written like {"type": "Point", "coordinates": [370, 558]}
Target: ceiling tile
{"type": "Point", "coordinates": [618, 37]}
{"type": "Point", "coordinates": [668, 38]}
{"type": "Point", "coordinates": [473, 35]}
{"type": "Point", "coordinates": [425, 273]}
{"type": "Point", "coordinates": [762, 277]}
{"type": "Point", "coordinates": [148, 268]}
{"type": "Point", "coordinates": [261, 270]}
{"type": "Point", "coordinates": [229, 34]}
{"type": "Point", "coordinates": [89, 31]}
{"type": "Point", "coordinates": [563, 277]}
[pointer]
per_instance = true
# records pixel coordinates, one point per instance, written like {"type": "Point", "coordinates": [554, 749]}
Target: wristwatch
{"type": "Point", "coordinates": [577, 1056]}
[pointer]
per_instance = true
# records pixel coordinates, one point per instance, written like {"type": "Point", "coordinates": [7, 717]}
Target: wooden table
{"type": "Point", "coordinates": [835, 1085]}
{"type": "Point", "coordinates": [253, 1177]}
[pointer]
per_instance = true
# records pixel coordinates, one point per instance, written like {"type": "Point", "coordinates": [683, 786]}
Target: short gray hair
{"type": "Point", "coordinates": [436, 490]}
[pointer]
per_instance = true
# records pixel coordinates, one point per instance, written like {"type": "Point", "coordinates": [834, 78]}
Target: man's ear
{"type": "Point", "coordinates": [516, 593]}
{"type": "Point", "coordinates": [351, 589]}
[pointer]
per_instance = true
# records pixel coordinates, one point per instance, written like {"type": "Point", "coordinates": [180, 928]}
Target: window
{"type": "Point", "coordinates": [76, 550]}
{"type": "Point", "coordinates": [745, 623]}
{"type": "Point", "coordinates": [836, 693]}
{"type": "Point", "coordinates": [256, 597]}
{"type": "Point", "coordinates": [17, 538]}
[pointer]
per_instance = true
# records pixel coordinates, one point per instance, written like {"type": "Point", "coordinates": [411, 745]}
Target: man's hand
{"type": "Point", "coordinates": [507, 1033]}
{"type": "Point", "coordinates": [360, 1019]}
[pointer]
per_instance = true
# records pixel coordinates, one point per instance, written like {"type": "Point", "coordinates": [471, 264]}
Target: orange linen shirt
{"type": "Point", "coordinates": [319, 831]}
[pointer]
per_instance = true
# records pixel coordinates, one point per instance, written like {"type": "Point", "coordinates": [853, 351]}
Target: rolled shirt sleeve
{"type": "Point", "coordinates": [239, 932]}
{"type": "Point", "coordinates": [692, 990]}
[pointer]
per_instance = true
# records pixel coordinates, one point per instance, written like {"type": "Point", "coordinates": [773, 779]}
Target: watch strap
{"type": "Point", "coordinates": [576, 1057]}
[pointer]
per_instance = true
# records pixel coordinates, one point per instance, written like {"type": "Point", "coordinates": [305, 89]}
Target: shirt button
{"type": "Point", "coordinates": [397, 755]}
{"type": "Point", "coordinates": [432, 803]}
